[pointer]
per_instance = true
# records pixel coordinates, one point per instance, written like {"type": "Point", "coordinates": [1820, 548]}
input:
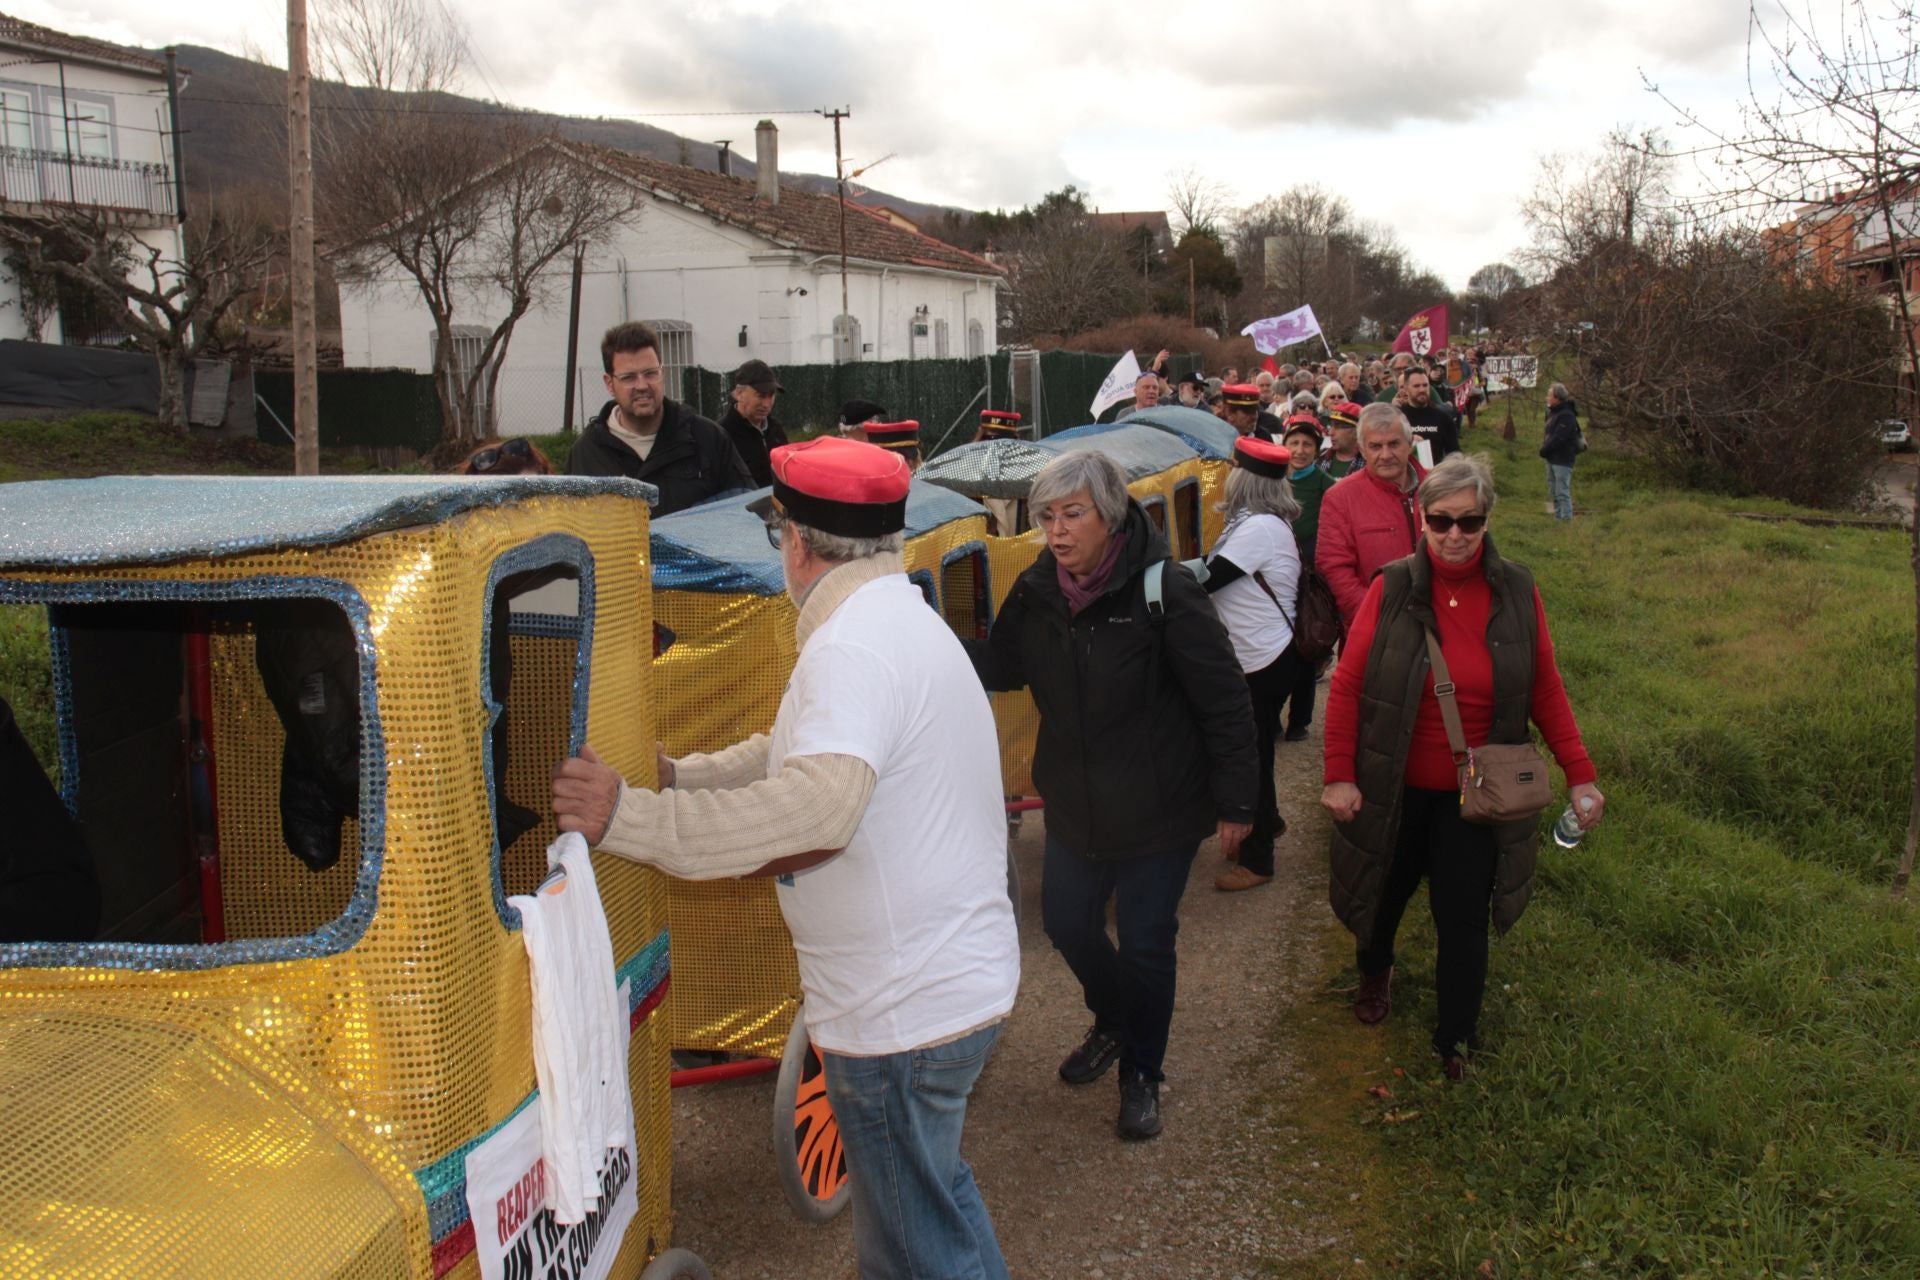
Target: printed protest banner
{"type": "Point", "coordinates": [1506, 373]}
{"type": "Point", "coordinates": [515, 1235]}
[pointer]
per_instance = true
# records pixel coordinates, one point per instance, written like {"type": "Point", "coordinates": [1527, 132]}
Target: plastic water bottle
{"type": "Point", "coordinates": [1567, 832]}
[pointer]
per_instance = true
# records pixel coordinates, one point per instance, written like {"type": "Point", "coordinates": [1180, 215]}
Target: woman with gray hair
{"type": "Point", "coordinates": [1391, 781]}
{"type": "Point", "coordinates": [1253, 576]}
{"type": "Point", "coordinates": [1145, 748]}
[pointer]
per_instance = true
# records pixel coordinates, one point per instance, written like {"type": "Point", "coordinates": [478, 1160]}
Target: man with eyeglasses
{"type": "Point", "coordinates": [642, 434]}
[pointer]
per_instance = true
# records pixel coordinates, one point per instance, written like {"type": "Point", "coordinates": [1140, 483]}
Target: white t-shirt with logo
{"type": "Point", "coordinates": [1260, 632]}
{"type": "Point", "coordinates": [905, 937]}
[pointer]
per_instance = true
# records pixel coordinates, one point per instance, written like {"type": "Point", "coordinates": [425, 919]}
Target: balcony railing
{"type": "Point", "coordinates": [117, 186]}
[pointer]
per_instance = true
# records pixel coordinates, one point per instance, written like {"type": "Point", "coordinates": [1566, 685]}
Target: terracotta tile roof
{"type": "Point", "coordinates": [800, 220]}
{"type": "Point", "coordinates": [27, 35]}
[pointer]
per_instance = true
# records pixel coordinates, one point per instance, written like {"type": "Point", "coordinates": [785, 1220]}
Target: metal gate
{"type": "Point", "coordinates": [469, 340]}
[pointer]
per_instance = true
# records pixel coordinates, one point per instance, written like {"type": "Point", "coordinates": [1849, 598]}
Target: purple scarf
{"type": "Point", "coordinates": [1079, 595]}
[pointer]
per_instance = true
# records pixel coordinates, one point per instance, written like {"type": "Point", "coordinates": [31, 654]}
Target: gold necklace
{"type": "Point", "coordinates": [1453, 601]}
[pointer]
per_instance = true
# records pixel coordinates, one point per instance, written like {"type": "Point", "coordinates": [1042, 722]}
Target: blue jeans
{"type": "Point", "coordinates": [916, 1210]}
{"type": "Point", "coordinates": [1128, 989]}
{"type": "Point", "coordinates": [1560, 485]}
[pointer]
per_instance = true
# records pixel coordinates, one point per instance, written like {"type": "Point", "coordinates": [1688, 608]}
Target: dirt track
{"type": "Point", "coordinates": [1208, 1200]}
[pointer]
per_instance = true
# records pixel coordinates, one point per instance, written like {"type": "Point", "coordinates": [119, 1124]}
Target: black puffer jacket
{"type": "Point", "coordinates": [1562, 445]}
{"type": "Point", "coordinates": [753, 444]}
{"type": "Point", "coordinates": [1146, 733]}
{"type": "Point", "coordinates": [691, 459]}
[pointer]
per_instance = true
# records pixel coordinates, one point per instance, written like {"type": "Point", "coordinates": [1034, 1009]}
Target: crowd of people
{"type": "Point", "coordinates": [874, 801]}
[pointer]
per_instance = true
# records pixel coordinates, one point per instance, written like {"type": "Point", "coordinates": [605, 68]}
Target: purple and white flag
{"type": "Point", "coordinates": [1275, 332]}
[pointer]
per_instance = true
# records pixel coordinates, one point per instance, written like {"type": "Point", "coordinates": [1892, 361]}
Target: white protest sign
{"type": "Point", "coordinates": [514, 1234]}
{"type": "Point", "coordinates": [1119, 384]}
{"type": "Point", "coordinates": [1504, 373]}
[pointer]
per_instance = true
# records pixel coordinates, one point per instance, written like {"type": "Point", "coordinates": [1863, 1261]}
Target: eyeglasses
{"type": "Point", "coordinates": [1468, 525]}
{"type": "Point", "coordinates": [628, 379]}
{"type": "Point", "coordinates": [1064, 515]}
{"type": "Point", "coordinates": [776, 528]}
{"type": "Point", "coordinates": [487, 459]}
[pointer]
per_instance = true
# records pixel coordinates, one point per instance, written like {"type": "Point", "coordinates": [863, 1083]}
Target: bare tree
{"type": "Point", "coordinates": [1067, 275]}
{"type": "Point", "coordinates": [1490, 288]}
{"type": "Point", "coordinates": [1831, 123]}
{"type": "Point", "coordinates": [172, 307]}
{"type": "Point", "coordinates": [1200, 203]}
{"type": "Point", "coordinates": [471, 209]}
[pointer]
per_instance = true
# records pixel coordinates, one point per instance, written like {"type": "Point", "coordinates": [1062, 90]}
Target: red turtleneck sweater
{"type": "Point", "coordinates": [1463, 640]}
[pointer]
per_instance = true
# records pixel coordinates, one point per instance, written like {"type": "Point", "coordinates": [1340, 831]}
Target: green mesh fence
{"type": "Point", "coordinates": [394, 407]}
{"type": "Point", "coordinates": [1054, 391]}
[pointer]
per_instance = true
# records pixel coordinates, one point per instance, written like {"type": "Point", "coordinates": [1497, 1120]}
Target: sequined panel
{"type": "Point", "coordinates": [416, 1027]}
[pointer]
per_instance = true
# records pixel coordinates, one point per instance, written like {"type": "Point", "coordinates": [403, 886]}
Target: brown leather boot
{"type": "Point", "coordinates": [1374, 999]}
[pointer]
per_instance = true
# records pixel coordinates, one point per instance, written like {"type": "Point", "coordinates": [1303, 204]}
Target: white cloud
{"type": "Point", "coordinates": [1428, 118]}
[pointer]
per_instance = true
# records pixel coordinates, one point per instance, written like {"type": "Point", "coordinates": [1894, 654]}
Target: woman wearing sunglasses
{"type": "Point", "coordinates": [1390, 781]}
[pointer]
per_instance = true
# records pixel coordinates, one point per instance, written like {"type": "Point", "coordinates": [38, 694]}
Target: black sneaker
{"type": "Point", "coordinates": [1297, 734]}
{"type": "Point", "coordinates": [1139, 1109]}
{"type": "Point", "coordinates": [1091, 1060]}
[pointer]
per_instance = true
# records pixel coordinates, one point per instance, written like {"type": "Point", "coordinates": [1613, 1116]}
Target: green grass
{"type": "Point", "coordinates": [103, 443]}
{"type": "Point", "coordinates": [1705, 1033]}
{"type": "Point", "coordinates": [25, 680]}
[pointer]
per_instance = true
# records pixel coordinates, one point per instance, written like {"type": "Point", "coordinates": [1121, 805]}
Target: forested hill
{"type": "Point", "coordinates": [232, 114]}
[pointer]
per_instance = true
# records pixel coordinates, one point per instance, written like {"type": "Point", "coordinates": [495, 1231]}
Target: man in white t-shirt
{"type": "Point", "coordinates": [876, 802]}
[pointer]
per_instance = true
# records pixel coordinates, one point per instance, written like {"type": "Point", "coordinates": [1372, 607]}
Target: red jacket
{"type": "Point", "coordinates": [1364, 524]}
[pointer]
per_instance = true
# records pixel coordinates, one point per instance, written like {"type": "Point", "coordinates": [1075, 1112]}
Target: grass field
{"type": "Point", "coordinates": [1705, 1033]}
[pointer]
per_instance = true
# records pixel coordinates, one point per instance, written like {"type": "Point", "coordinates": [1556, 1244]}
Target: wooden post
{"type": "Point", "coordinates": [1190, 296]}
{"type": "Point", "coordinates": [306, 391]}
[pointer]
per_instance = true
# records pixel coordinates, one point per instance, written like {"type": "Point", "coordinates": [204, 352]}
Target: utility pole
{"type": "Point", "coordinates": [573, 334]}
{"type": "Point", "coordinates": [306, 391]}
{"type": "Point", "coordinates": [1191, 323]}
{"type": "Point", "coordinates": [840, 178]}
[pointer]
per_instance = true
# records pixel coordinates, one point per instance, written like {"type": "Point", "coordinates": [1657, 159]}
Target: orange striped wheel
{"type": "Point", "coordinates": [806, 1138]}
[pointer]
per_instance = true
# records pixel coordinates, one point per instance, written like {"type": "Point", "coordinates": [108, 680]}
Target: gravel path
{"type": "Point", "coordinates": [1210, 1199]}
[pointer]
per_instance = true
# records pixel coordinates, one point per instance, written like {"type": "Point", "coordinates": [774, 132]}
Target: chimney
{"type": "Point", "coordinates": [766, 159]}
{"type": "Point", "coordinates": [726, 157]}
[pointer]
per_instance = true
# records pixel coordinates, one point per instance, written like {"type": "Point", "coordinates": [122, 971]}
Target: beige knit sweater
{"type": "Point", "coordinates": [723, 816]}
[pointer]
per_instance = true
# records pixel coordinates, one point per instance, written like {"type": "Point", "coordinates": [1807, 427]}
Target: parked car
{"type": "Point", "coordinates": [1896, 435]}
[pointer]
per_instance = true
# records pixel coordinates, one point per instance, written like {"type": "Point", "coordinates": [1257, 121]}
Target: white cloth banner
{"type": "Point", "coordinates": [515, 1236]}
{"type": "Point", "coordinates": [1504, 373]}
{"type": "Point", "coordinates": [1119, 384]}
{"type": "Point", "coordinates": [1275, 332]}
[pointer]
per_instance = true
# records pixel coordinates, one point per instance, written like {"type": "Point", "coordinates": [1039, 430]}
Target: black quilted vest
{"type": "Point", "coordinates": [1396, 680]}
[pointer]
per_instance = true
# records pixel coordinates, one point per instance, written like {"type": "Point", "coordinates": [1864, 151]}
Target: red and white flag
{"type": "Point", "coordinates": [1425, 333]}
{"type": "Point", "coordinates": [1275, 332]}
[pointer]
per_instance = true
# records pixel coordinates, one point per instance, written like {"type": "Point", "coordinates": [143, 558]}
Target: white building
{"type": "Point", "coordinates": [83, 124]}
{"type": "Point", "coordinates": [728, 269]}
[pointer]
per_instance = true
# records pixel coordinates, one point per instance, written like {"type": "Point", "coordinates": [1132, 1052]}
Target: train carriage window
{"type": "Point", "coordinates": [965, 601]}
{"type": "Point", "coordinates": [538, 638]}
{"type": "Point", "coordinates": [221, 761]}
{"type": "Point", "coordinates": [1156, 509]}
{"type": "Point", "coordinates": [1186, 518]}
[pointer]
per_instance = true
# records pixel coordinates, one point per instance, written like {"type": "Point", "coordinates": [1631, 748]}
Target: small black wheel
{"type": "Point", "coordinates": [676, 1264]}
{"type": "Point", "coordinates": [806, 1138]}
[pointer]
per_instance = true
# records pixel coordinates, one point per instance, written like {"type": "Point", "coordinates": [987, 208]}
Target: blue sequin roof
{"type": "Point", "coordinates": [1140, 451]}
{"type": "Point", "coordinates": [721, 547]}
{"type": "Point", "coordinates": [117, 520]}
{"type": "Point", "coordinates": [1209, 436]}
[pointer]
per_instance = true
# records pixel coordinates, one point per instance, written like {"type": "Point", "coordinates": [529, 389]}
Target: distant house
{"type": "Point", "coordinates": [1846, 235]}
{"type": "Point", "coordinates": [84, 125]}
{"type": "Point", "coordinates": [727, 269]}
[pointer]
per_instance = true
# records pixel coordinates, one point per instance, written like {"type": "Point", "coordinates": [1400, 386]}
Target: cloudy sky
{"type": "Point", "coordinates": [1432, 119]}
